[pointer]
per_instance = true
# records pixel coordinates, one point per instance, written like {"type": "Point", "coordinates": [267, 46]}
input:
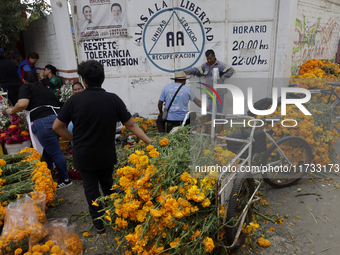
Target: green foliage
{"type": "Point", "coordinates": [13, 18]}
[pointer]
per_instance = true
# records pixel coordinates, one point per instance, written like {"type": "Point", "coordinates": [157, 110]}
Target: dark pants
{"type": "Point", "coordinates": [172, 123]}
{"type": "Point", "coordinates": [91, 181]}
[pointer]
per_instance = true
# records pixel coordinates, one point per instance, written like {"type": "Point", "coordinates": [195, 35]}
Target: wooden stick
{"type": "Point", "coordinates": [305, 194]}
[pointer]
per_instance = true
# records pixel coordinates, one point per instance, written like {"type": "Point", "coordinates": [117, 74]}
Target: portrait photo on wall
{"type": "Point", "coordinates": [101, 19]}
{"type": "Point", "coordinates": [117, 18]}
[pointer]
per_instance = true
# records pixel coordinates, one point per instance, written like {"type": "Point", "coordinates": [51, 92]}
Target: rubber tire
{"type": "Point", "coordinates": [270, 151]}
{"type": "Point", "coordinates": [231, 210]}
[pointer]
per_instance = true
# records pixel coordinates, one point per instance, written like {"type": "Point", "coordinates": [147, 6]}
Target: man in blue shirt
{"type": "Point", "coordinates": [179, 107]}
{"type": "Point", "coordinates": [206, 70]}
{"type": "Point", "coordinates": [28, 64]}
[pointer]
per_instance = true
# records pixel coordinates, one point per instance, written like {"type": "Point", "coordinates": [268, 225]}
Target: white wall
{"type": "Point", "coordinates": [52, 39]}
{"type": "Point", "coordinates": [258, 38]}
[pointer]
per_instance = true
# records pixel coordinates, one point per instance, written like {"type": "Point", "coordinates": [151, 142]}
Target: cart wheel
{"type": "Point", "coordinates": [298, 154]}
{"type": "Point", "coordinates": [242, 191]}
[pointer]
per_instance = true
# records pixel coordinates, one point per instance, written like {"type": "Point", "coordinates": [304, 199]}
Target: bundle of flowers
{"type": "Point", "coordinates": [14, 128]}
{"type": "Point", "coordinates": [163, 209]}
{"type": "Point", "coordinates": [314, 74]}
{"type": "Point", "coordinates": [22, 173]}
{"type": "Point", "coordinates": [66, 91]}
{"type": "Point", "coordinates": [316, 129]}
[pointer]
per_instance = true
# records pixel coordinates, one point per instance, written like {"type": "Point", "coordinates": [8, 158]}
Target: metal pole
{"type": "Point", "coordinates": [213, 106]}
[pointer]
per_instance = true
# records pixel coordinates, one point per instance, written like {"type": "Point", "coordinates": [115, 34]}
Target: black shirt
{"type": "Point", "coordinates": [38, 96]}
{"type": "Point", "coordinates": [8, 73]}
{"type": "Point", "coordinates": [94, 113]}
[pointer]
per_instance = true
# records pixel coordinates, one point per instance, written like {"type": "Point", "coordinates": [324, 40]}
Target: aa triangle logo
{"type": "Point", "coordinates": [176, 36]}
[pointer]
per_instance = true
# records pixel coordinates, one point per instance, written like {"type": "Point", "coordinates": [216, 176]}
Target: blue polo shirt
{"type": "Point", "coordinates": [179, 107]}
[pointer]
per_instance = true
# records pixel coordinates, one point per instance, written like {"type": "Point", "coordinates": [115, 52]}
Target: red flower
{"type": "Point", "coordinates": [13, 134]}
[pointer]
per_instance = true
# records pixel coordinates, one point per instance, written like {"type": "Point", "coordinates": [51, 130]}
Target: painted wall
{"type": "Point", "coordinates": [317, 31]}
{"type": "Point", "coordinates": [264, 40]}
{"type": "Point", "coordinates": [52, 39]}
{"type": "Point", "coordinates": [172, 35]}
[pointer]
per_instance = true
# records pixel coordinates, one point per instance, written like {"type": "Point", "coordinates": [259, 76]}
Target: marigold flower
{"type": "Point", "coordinates": [44, 248]}
{"type": "Point", "coordinates": [86, 234]}
{"type": "Point", "coordinates": [95, 203]}
{"type": "Point", "coordinates": [206, 202]}
{"type": "Point", "coordinates": [195, 235]}
{"type": "Point", "coordinates": [154, 153]}
{"type": "Point", "coordinates": [49, 243]}
{"type": "Point", "coordinates": [18, 251]}
{"type": "Point", "coordinates": [263, 242]}
{"type": "Point", "coordinates": [144, 160]}
{"type": "Point", "coordinates": [2, 162]}
{"type": "Point", "coordinates": [209, 244]}
{"type": "Point", "coordinates": [149, 147]}
{"type": "Point", "coordinates": [174, 243]}
{"type": "Point", "coordinates": [164, 142]}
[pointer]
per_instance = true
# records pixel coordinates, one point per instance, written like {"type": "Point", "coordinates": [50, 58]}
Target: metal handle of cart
{"type": "Point", "coordinates": [225, 179]}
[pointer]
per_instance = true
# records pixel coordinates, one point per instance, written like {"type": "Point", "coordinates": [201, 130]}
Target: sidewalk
{"type": "Point", "coordinates": [311, 222]}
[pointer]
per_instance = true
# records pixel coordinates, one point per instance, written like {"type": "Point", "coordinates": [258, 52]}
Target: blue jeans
{"type": "Point", "coordinates": [42, 128]}
{"type": "Point", "coordinates": [219, 106]}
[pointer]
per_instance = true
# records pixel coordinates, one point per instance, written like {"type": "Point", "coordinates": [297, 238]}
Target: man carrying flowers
{"type": "Point", "coordinates": [94, 113]}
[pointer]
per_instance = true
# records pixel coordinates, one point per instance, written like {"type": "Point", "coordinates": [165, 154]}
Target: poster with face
{"type": "Point", "coordinates": [102, 19]}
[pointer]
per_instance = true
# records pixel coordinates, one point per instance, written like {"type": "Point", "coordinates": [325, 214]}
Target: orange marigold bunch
{"type": "Point", "coordinates": [73, 244]}
{"type": "Point", "coordinates": [164, 142]}
{"type": "Point", "coordinates": [209, 244]}
{"type": "Point", "coordinates": [263, 242]}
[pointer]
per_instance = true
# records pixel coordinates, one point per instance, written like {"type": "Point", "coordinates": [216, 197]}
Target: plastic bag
{"type": "Point", "coordinates": [64, 236]}
{"type": "Point", "coordinates": [39, 200]}
{"type": "Point", "coordinates": [72, 241]}
{"type": "Point", "coordinates": [21, 226]}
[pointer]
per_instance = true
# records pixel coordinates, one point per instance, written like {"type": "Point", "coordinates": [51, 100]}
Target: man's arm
{"type": "Point", "coordinates": [197, 71]}
{"type": "Point", "coordinates": [227, 71]}
{"type": "Point", "coordinates": [160, 107]}
{"type": "Point", "coordinates": [60, 128]}
{"type": "Point", "coordinates": [134, 128]}
{"type": "Point", "coordinates": [197, 102]}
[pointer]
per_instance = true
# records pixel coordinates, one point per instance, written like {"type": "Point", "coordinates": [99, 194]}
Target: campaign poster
{"type": "Point", "coordinates": [101, 18]}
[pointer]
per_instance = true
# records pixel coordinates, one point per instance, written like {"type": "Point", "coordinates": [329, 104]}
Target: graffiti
{"type": "Point", "coordinates": [141, 81]}
{"type": "Point", "coordinates": [314, 41]}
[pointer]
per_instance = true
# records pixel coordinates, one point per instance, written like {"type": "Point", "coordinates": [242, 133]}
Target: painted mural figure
{"type": "Point", "coordinates": [87, 12]}
{"type": "Point", "coordinates": [206, 70]}
{"type": "Point", "coordinates": [118, 19]}
{"type": "Point", "coordinates": [179, 107]}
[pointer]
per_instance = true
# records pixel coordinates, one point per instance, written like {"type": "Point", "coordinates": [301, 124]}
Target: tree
{"type": "Point", "coordinates": [16, 15]}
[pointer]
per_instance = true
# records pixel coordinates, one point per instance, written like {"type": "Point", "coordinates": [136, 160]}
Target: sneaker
{"type": "Point", "coordinates": [63, 184]}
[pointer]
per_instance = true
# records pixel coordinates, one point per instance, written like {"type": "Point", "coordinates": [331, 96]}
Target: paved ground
{"type": "Point", "coordinates": [311, 222]}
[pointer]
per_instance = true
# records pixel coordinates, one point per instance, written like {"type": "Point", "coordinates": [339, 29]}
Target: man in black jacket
{"type": "Point", "coordinates": [9, 78]}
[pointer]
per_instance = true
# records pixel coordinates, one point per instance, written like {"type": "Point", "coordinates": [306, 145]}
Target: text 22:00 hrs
{"type": "Point", "coordinates": [254, 60]}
